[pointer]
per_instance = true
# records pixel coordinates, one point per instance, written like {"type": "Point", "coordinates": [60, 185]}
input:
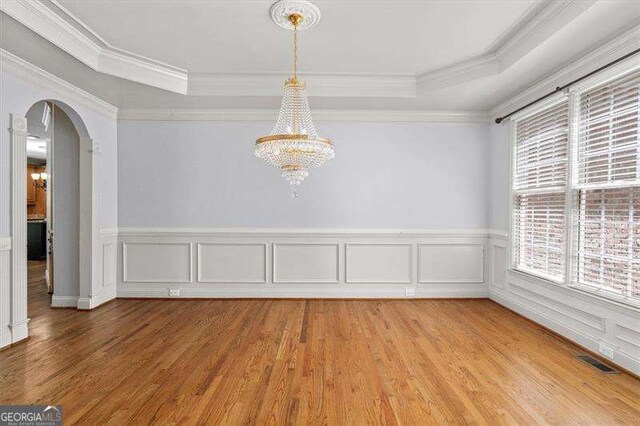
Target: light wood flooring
{"type": "Point", "coordinates": [296, 361]}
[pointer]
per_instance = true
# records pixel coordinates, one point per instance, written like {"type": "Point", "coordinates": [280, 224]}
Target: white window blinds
{"type": "Point", "coordinates": [540, 179]}
{"type": "Point", "coordinates": [607, 187]}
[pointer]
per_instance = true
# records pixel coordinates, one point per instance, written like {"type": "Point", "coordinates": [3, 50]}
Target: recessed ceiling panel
{"type": "Point", "coordinates": [353, 36]}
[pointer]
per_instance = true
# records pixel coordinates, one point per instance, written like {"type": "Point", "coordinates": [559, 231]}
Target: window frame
{"type": "Point", "coordinates": [572, 207]}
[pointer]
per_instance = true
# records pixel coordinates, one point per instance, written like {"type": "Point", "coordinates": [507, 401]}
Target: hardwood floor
{"type": "Point", "coordinates": [316, 361]}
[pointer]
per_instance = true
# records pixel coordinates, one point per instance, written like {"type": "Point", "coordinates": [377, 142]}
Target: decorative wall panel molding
{"type": "Point", "coordinates": [568, 312]}
{"type": "Point", "coordinates": [499, 261]}
{"type": "Point", "coordinates": [451, 263]}
{"type": "Point", "coordinates": [148, 262]}
{"type": "Point", "coordinates": [299, 263]}
{"type": "Point", "coordinates": [310, 263]}
{"type": "Point", "coordinates": [628, 335]}
{"type": "Point", "coordinates": [18, 66]}
{"type": "Point", "coordinates": [379, 263]}
{"type": "Point", "coordinates": [232, 263]}
{"type": "Point", "coordinates": [109, 263]}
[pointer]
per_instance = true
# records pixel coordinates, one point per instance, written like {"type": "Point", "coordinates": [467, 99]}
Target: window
{"type": "Point", "coordinates": [607, 188]}
{"type": "Point", "coordinates": [539, 188]}
{"type": "Point", "coordinates": [597, 180]}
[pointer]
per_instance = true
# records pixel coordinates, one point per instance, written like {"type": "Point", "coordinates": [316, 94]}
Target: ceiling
{"type": "Point", "coordinates": [386, 37]}
{"type": "Point", "coordinates": [365, 55]}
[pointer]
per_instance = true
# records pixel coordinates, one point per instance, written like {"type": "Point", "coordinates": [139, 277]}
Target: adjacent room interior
{"type": "Point", "coordinates": [320, 212]}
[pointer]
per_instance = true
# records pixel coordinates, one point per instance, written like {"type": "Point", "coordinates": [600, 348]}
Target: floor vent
{"type": "Point", "coordinates": [597, 364]}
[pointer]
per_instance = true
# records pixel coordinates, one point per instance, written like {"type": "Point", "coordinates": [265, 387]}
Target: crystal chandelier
{"type": "Point", "coordinates": [294, 145]}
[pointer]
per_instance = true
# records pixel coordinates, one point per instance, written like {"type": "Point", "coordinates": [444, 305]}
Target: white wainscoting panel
{"type": "Point", "coordinates": [571, 315]}
{"type": "Point", "coordinates": [379, 263]}
{"type": "Point", "coordinates": [628, 335]}
{"type": "Point", "coordinates": [498, 262]}
{"type": "Point", "coordinates": [285, 263]}
{"type": "Point", "coordinates": [157, 262]}
{"type": "Point", "coordinates": [305, 263]}
{"type": "Point", "coordinates": [451, 263]}
{"type": "Point", "coordinates": [109, 263]}
{"type": "Point", "coordinates": [232, 263]}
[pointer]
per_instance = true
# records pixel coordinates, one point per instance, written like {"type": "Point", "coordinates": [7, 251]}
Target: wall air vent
{"type": "Point", "coordinates": [597, 364]}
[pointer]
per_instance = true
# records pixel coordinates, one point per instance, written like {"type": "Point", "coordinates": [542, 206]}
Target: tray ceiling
{"type": "Point", "coordinates": [390, 37]}
{"type": "Point", "coordinates": [396, 55]}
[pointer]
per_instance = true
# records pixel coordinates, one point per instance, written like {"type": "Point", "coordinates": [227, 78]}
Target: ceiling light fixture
{"type": "Point", "coordinates": [39, 180]}
{"type": "Point", "coordinates": [294, 145]}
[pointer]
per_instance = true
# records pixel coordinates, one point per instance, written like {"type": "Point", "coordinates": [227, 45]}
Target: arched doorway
{"type": "Point", "coordinates": [76, 260]}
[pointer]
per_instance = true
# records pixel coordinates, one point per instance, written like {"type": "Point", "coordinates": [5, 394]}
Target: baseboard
{"type": "Point", "coordinates": [310, 291]}
{"type": "Point", "coordinates": [588, 342]}
{"type": "Point", "coordinates": [87, 303]}
{"type": "Point", "coordinates": [64, 301]}
{"type": "Point", "coordinates": [19, 331]}
{"type": "Point", "coordinates": [5, 339]}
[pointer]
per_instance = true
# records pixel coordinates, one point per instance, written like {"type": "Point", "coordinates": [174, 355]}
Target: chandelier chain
{"type": "Point", "coordinates": [295, 52]}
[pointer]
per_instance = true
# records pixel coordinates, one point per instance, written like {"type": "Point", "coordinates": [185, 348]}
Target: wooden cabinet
{"type": "Point", "coordinates": [31, 190]}
{"type": "Point", "coordinates": [36, 197]}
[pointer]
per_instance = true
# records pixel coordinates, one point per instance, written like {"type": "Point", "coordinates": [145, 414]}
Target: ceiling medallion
{"type": "Point", "coordinates": [294, 145]}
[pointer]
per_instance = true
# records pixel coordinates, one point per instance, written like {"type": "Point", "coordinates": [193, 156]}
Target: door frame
{"type": "Point", "coordinates": [89, 231]}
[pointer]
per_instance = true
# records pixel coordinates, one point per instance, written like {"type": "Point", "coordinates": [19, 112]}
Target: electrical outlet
{"type": "Point", "coordinates": [605, 350]}
{"type": "Point", "coordinates": [174, 292]}
{"type": "Point", "coordinates": [409, 291]}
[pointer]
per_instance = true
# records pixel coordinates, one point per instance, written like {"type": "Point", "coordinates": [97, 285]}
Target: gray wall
{"type": "Point", "coordinates": [66, 205]}
{"type": "Point", "coordinates": [499, 169]}
{"type": "Point", "coordinates": [18, 95]}
{"type": "Point", "coordinates": [384, 176]}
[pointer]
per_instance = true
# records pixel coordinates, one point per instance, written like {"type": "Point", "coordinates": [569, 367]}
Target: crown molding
{"type": "Point", "coordinates": [319, 115]}
{"type": "Point", "coordinates": [68, 33]}
{"type": "Point", "coordinates": [18, 66]}
{"type": "Point", "coordinates": [541, 22]}
{"type": "Point", "coordinates": [595, 58]}
{"type": "Point", "coordinates": [53, 22]}
{"type": "Point", "coordinates": [318, 84]}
